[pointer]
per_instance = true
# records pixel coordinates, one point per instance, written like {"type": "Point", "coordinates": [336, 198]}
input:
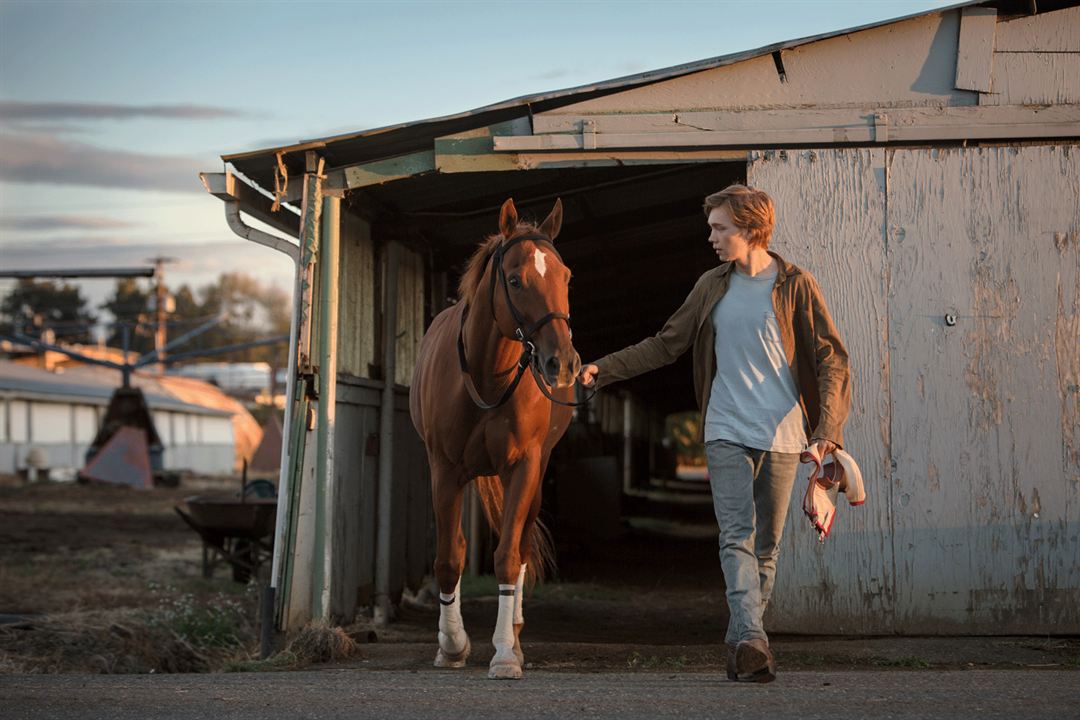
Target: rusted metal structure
{"type": "Point", "coordinates": [926, 170]}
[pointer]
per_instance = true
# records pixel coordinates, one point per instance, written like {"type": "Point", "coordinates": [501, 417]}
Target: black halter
{"type": "Point", "coordinates": [523, 331]}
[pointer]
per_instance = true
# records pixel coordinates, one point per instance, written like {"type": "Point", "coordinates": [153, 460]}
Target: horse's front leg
{"type": "Point", "coordinates": [454, 645]}
{"type": "Point", "coordinates": [526, 550]}
{"type": "Point", "coordinates": [522, 485]}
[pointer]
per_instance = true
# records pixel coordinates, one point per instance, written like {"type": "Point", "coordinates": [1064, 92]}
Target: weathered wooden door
{"type": "Point", "coordinates": [984, 308]}
{"type": "Point", "coordinates": [952, 275]}
{"type": "Point", "coordinates": [831, 220]}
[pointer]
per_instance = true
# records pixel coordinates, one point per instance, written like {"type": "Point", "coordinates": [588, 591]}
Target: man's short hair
{"type": "Point", "coordinates": [751, 209]}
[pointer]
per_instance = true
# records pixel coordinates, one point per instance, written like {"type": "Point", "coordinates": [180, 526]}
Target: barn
{"type": "Point", "coordinates": [925, 169]}
{"type": "Point", "coordinates": [58, 414]}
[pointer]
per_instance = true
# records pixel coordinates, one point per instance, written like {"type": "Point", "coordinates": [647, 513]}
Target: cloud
{"type": "Point", "coordinates": [42, 158]}
{"type": "Point", "coordinates": [62, 222]}
{"type": "Point", "coordinates": [21, 111]}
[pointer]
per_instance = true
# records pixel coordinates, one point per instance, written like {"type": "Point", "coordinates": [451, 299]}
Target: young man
{"type": "Point", "coordinates": [770, 372]}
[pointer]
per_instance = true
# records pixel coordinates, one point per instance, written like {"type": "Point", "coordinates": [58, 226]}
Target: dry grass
{"type": "Point", "coordinates": [108, 580]}
{"type": "Point", "coordinates": [319, 642]}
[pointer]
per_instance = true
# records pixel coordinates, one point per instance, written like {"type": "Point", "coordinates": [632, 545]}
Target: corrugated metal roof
{"type": "Point", "coordinates": [393, 140]}
{"type": "Point", "coordinates": [84, 384]}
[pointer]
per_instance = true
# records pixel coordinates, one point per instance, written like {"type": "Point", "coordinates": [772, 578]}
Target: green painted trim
{"type": "Point", "coordinates": [328, 302]}
{"type": "Point", "coordinates": [397, 168]}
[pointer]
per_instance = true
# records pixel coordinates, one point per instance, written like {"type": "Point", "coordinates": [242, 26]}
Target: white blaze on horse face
{"type": "Point", "coordinates": [540, 261]}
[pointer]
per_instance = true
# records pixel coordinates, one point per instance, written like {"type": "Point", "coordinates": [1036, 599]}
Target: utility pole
{"type": "Point", "coordinates": [160, 308]}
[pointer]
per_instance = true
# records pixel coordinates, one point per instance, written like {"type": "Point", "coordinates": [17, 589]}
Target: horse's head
{"type": "Point", "coordinates": [532, 304]}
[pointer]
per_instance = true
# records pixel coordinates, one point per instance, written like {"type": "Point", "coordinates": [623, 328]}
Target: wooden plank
{"type": "Point", "coordinates": [475, 151]}
{"type": "Point", "coordinates": [858, 134]}
{"type": "Point", "coordinates": [683, 139]}
{"type": "Point", "coordinates": [975, 50]}
{"type": "Point", "coordinates": [911, 62]}
{"type": "Point", "coordinates": [1057, 31]}
{"type": "Point", "coordinates": [471, 151]}
{"type": "Point", "coordinates": [900, 119]}
{"type": "Point", "coordinates": [356, 346]}
{"type": "Point", "coordinates": [831, 220]}
{"type": "Point", "coordinates": [384, 171]}
{"type": "Point", "coordinates": [410, 314]}
{"type": "Point", "coordinates": [984, 437]}
{"type": "Point", "coordinates": [1035, 79]}
{"type": "Point", "coordinates": [622, 158]}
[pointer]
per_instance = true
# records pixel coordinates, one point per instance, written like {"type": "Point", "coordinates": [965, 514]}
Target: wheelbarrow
{"type": "Point", "coordinates": [236, 531]}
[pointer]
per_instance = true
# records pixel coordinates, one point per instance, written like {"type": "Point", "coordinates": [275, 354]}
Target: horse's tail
{"type": "Point", "coordinates": [542, 560]}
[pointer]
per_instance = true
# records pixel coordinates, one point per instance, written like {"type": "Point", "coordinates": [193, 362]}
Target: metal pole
{"type": "Point", "coordinates": [159, 331]}
{"type": "Point", "coordinates": [322, 560]}
{"type": "Point", "coordinates": [126, 334]}
{"type": "Point", "coordinates": [382, 608]}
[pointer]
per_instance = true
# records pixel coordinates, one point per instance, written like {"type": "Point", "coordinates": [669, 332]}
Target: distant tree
{"type": "Point", "coordinates": [249, 310]}
{"type": "Point", "coordinates": [37, 307]}
{"type": "Point", "coordinates": [129, 306]}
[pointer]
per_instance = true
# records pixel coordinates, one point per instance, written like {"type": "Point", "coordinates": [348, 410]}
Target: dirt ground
{"type": "Point", "coordinates": [105, 579]}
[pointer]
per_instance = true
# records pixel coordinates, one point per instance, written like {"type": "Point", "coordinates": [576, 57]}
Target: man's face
{"type": "Point", "coordinates": [725, 237]}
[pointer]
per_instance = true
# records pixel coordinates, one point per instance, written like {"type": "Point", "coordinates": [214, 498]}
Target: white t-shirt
{"type": "Point", "coordinates": [754, 401]}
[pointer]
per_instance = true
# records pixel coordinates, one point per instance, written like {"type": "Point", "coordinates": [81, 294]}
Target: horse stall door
{"type": "Point", "coordinates": [830, 207]}
{"type": "Point", "coordinates": [983, 324]}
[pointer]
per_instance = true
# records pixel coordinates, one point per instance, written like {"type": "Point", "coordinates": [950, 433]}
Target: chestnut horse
{"type": "Point", "coordinates": [479, 422]}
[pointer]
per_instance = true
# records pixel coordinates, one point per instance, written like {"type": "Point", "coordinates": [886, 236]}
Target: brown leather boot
{"type": "Point", "coordinates": [754, 661]}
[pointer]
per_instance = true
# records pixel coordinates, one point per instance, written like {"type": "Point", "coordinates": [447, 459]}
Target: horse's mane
{"type": "Point", "coordinates": [474, 269]}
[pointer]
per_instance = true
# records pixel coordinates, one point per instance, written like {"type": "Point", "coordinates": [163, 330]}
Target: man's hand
{"type": "Point", "coordinates": [824, 447]}
{"type": "Point", "coordinates": [587, 374]}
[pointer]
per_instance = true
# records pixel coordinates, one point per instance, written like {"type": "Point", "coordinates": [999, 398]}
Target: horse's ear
{"type": "Point", "coordinates": [508, 219]}
{"type": "Point", "coordinates": [553, 223]}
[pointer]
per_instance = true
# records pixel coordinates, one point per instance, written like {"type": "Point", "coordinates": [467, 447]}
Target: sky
{"type": "Point", "coordinates": [108, 110]}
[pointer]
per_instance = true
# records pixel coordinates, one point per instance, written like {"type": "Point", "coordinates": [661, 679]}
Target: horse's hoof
{"type": "Point", "coordinates": [504, 670]}
{"type": "Point", "coordinates": [444, 660]}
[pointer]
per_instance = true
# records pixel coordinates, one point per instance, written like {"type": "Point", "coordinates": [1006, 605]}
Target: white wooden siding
{"type": "Point", "coordinates": [163, 425]}
{"type": "Point", "coordinates": [1036, 60]}
{"type": "Point", "coordinates": [984, 428]}
{"type": "Point", "coordinates": [180, 429]}
{"type": "Point", "coordinates": [1057, 31]}
{"type": "Point", "coordinates": [86, 424]}
{"type": "Point", "coordinates": [356, 298]}
{"type": "Point", "coordinates": [217, 431]}
{"type": "Point", "coordinates": [410, 314]}
{"type": "Point", "coordinates": [906, 63]}
{"type": "Point", "coordinates": [50, 423]}
{"type": "Point", "coordinates": [831, 221]}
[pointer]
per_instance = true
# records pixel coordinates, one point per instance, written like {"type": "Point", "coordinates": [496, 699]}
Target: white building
{"type": "Point", "coordinates": [60, 412]}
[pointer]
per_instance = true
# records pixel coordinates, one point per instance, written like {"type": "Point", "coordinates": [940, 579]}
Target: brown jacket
{"type": "Point", "coordinates": [815, 353]}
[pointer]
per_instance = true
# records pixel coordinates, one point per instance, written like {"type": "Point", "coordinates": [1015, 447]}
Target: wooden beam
{"type": "Point", "coordinates": [795, 127]}
{"type": "Point", "coordinates": [389, 169]}
{"type": "Point", "coordinates": [975, 50]}
{"type": "Point", "coordinates": [477, 151]}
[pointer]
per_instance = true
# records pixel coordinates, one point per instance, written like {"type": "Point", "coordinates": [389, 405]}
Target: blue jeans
{"type": "Point", "coordinates": [751, 490]}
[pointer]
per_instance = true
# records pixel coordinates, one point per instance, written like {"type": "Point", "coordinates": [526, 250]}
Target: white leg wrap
{"type": "Point", "coordinates": [519, 597]}
{"type": "Point", "coordinates": [503, 639]}
{"type": "Point", "coordinates": [452, 637]}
